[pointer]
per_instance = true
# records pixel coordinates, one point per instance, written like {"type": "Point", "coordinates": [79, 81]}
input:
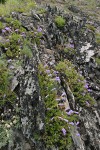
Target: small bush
{"type": "Point", "coordinates": [60, 21]}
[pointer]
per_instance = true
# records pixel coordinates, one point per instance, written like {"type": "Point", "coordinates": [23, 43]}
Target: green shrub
{"type": "Point", "coordinates": [59, 21]}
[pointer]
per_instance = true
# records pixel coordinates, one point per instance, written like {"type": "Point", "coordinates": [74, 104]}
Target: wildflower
{"type": "Point", "coordinates": [3, 31]}
{"type": "Point", "coordinates": [77, 123]}
{"type": "Point", "coordinates": [77, 134]}
{"type": "Point", "coordinates": [63, 94]}
{"type": "Point", "coordinates": [47, 71]}
{"type": "Point", "coordinates": [76, 112]}
{"type": "Point", "coordinates": [72, 45]}
{"type": "Point", "coordinates": [23, 34]}
{"type": "Point", "coordinates": [8, 29]}
{"type": "Point", "coordinates": [39, 29]}
{"type": "Point", "coordinates": [64, 131]}
{"type": "Point", "coordinates": [86, 86]}
{"type": "Point", "coordinates": [55, 72]}
{"type": "Point", "coordinates": [89, 90]}
{"type": "Point", "coordinates": [87, 103]}
{"type": "Point", "coordinates": [70, 112]}
{"type": "Point", "coordinates": [57, 79]}
{"type": "Point", "coordinates": [71, 123]}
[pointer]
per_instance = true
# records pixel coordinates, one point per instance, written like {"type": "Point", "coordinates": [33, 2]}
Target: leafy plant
{"type": "Point", "coordinates": [53, 135]}
{"type": "Point", "coordinates": [60, 21]}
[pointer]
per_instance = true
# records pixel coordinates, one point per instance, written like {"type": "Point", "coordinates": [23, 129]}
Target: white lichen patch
{"type": "Point", "coordinates": [89, 53]}
{"type": "Point", "coordinates": [30, 87]}
{"type": "Point", "coordinates": [41, 125]}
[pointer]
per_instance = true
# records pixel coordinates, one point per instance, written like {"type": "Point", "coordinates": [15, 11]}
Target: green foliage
{"type": "Point", "coordinates": [27, 51]}
{"type": "Point", "coordinates": [76, 82]}
{"type": "Point", "coordinates": [13, 22]}
{"type": "Point", "coordinates": [60, 21]}
{"type": "Point", "coordinates": [53, 136]}
{"type": "Point", "coordinates": [13, 46]}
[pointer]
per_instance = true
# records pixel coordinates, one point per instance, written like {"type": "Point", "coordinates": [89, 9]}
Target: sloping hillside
{"type": "Point", "coordinates": [50, 75]}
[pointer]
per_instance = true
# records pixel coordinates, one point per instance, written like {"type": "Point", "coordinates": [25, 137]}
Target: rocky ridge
{"type": "Point", "coordinates": [75, 43]}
